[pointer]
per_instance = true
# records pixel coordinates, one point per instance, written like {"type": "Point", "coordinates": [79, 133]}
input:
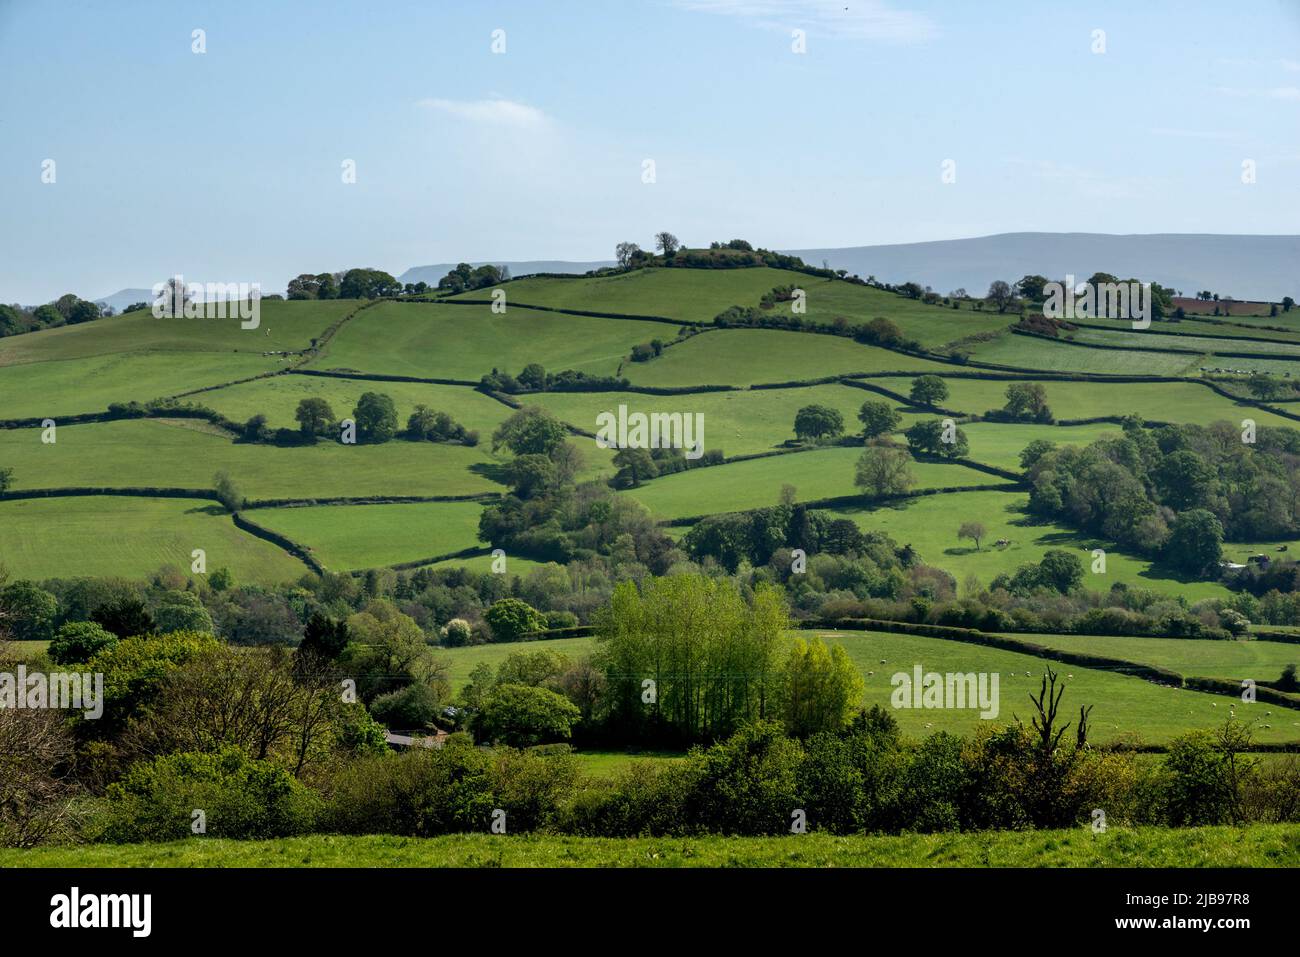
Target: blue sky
{"type": "Point", "coordinates": [227, 165]}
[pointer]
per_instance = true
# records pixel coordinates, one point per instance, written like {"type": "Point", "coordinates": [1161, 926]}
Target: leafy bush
{"type": "Point", "coordinates": [79, 641]}
{"type": "Point", "coordinates": [239, 798]}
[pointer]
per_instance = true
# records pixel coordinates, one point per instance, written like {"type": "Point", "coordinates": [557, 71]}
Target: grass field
{"type": "Point", "coordinates": [930, 524]}
{"type": "Point", "coordinates": [462, 661]}
{"type": "Point", "coordinates": [1274, 845]}
{"type": "Point", "coordinates": [284, 326]}
{"type": "Point", "coordinates": [349, 537]}
{"type": "Point", "coordinates": [1257, 660]}
{"type": "Point", "coordinates": [277, 398]}
{"type": "Point", "coordinates": [690, 295]}
{"type": "Point", "coordinates": [1126, 708]}
{"type": "Point", "coordinates": [131, 537]}
{"type": "Point", "coordinates": [154, 452]}
{"type": "Point", "coordinates": [1154, 401]}
{"type": "Point", "coordinates": [757, 483]}
{"type": "Point", "coordinates": [748, 356]}
{"type": "Point", "coordinates": [737, 423]}
{"type": "Point", "coordinates": [1136, 339]}
{"type": "Point", "coordinates": [467, 342]}
{"type": "Point", "coordinates": [1029, 352]}
{"type": "Point", "coordinates": [72, 386]}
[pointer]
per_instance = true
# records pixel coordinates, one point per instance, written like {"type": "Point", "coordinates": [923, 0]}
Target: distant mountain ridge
{"type": "Point", "coordinates": [1243, 267]}
{"type": "Point", "coordinates": [431, 274]}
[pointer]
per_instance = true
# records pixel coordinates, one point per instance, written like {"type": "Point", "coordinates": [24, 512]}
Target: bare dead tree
{"type": "Point", "coordinates": [1047, 704]}
{"type": "Point", "coordinates": [1081, 735]}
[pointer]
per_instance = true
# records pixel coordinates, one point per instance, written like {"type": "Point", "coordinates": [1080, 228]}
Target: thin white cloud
{"type": "Point", "coordinates": [855, 19]}
{"type": "Point", "coordinates": [495, 111]}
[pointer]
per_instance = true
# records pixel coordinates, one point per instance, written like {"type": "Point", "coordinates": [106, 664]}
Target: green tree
{"type": "Point", "coordinates": [932, 437]}
{"type": "Point", "coordinates": [884, 470]}
{"type": "Point", "coordinates": [928, 390]}
{"type": "Point", "coordinates": [1031, 287]}
{"type": "Point", "coordinates": [376, 417]}
{"type": "Point", "coordinates": [511, 618]}
{"type": "Point", "coordinates": [181, 611]}
{"type": "Point", "coordinates": [530, 431]}
{"type": "Point", "coordinates": [1195, 542]}
{"type": "Point", "coordinates": [314, 415]}
{"type": "Point", "coordinates": [227, 492]}
{"type": "Point", "coordinates": [520, 716]}
{"type": "Point", "coordinates": [975, 531]}
{"type": "Point", "coordinates": [878, 418]}
{"type": "Point", "coordinates": [818, 422]}
{"type": "Point", "coordinates": [6, 480]}
{"type": "Point", "coordinates": [79, 641]}
{"type": "Point", "coordinates": [29, 610]}
{"type": "Point", "coordinates": [820, 688]}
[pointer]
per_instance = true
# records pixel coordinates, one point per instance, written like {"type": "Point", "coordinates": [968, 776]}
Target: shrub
{"type": "Point", "coordinates": [414, 706]}
{"type": "Point", "coordinates": [457, 632]}
{"type": "Point", "coordinates": [79, 641]}
{"type": "Point", "coordinates": [239, 797]}
{"type": "Point", "coordinates": [420, 793]}
{"type": "Point", "coordinates": [511, 619]}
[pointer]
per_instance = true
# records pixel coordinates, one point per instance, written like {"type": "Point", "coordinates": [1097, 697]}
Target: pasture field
{"type": "Point", "coordinates": [931, 326]}
{"type": "Point", "coordinates": [1258, 845]}
{"type": "Point", "coordinates": [929, 524]}
{"type": "Point", "coordinates": [462, 661]}
{"type": "Point", "coordinates": [1135, 339]}
{"type": "Point", "coordinates": [744, 357]}
{"type": "Point", "coordinates": [1033, 352]}
{"type": "Point", "coordinates": [277, 398]}
{"type": "Point", "coordinates": [353, 537]}
{"type": "Point", "coordinates": [283, 327]}
{"type": "Point", "coordinates": [467, 342]}
{"type": "Point", "coordinates": [1192, 658]}
{"type": "Point", "coordinates": [131, 538]}
{"type": "Point", "coordinates": [757, 483]}
{"type": "Point", "coordinates": [737, 422]}
{"type": "Point", "coordinates": [1181, 402]}
{"type": "Point", "coordinates": [182, 454]}
{"type": "Point", "coordinates": [689, 295]}
{"type": "Point", "coordinates": [1246, 329]}
{"type": "Point", "coordinates": [73, 386]}
{"type": "Point", "coordinates": [1126, 708]}
{"type": "Point", "coordinates": [1000, 443]}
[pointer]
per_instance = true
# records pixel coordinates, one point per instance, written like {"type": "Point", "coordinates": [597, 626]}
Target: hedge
{"type": "Point", "coordinates": [300, 552]}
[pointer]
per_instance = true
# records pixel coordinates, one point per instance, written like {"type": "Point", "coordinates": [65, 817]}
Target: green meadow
{"type": "Point", "coordinates": [467, 342]}
{"type": "Point", "coordinates": [743, 357]}
{"type": "Point", "coordinates": [757, 483]}
{"type": "Point", "coordinates": [1261, 845]}
{"type": "Point", "coordinates": [351, 537]}
{"type": "Point", "coordinates": [1125, 708]}
{"type": "Point", "coordinates": [131, 538]}
{"type": "Point", "coordinates": [186, 454]}
{"type": "Point", "coordinates": [737, 422]}
{"type": "Point", "coordinates": [688, 295]}
{"type": "Point", "coordinates": [929, 524]}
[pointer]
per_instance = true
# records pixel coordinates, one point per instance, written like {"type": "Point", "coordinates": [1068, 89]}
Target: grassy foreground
{"type": "Point", "coordinates": [1256, 846]}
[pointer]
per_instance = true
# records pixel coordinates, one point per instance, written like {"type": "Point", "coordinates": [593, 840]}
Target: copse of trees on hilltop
{"type": "Point", "coordinates": [67, 310]}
